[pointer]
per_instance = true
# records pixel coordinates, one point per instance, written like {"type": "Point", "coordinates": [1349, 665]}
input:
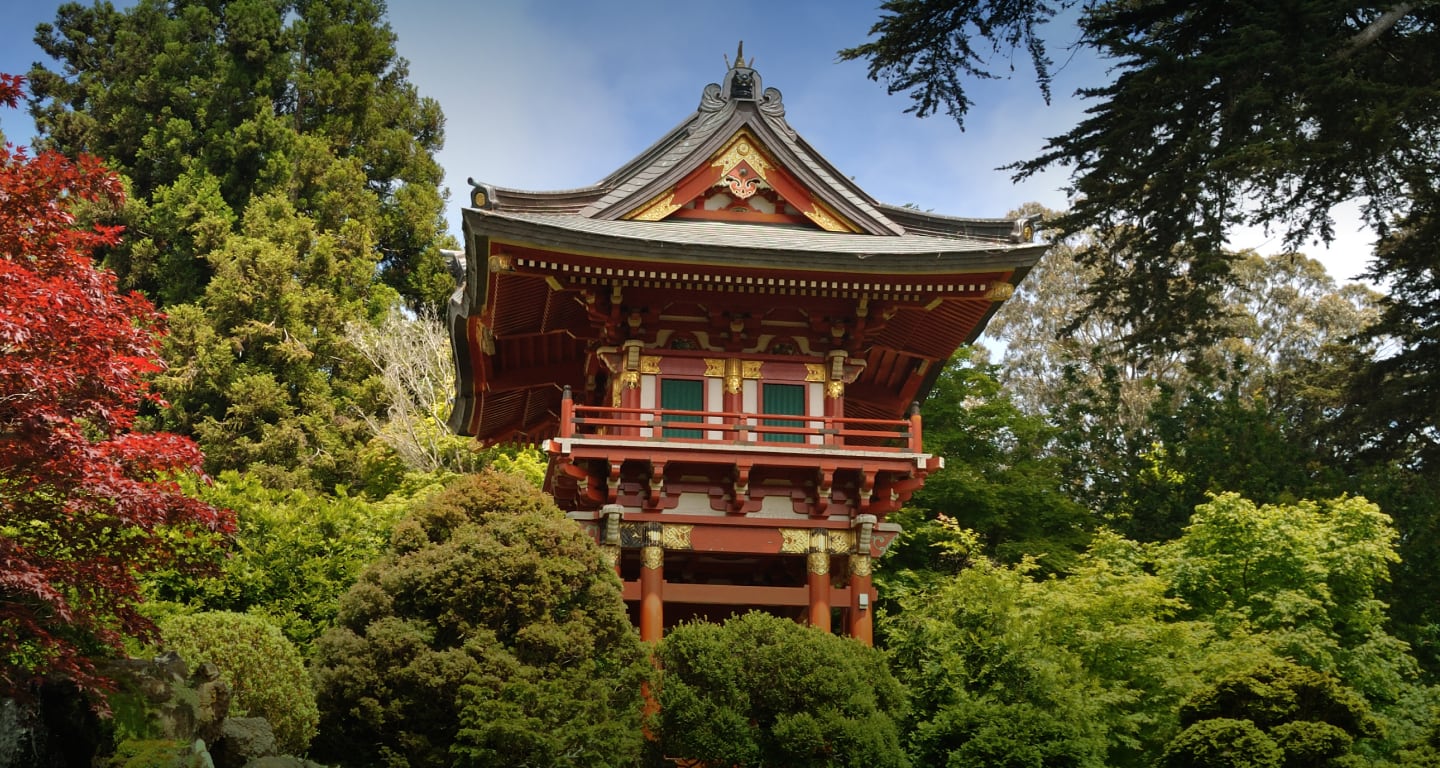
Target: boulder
{"type": "Point", "coordinates": [243, 739]}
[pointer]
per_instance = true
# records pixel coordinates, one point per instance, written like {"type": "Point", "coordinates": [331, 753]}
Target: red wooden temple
{"type": "Point", "coordinates": [720, 345]}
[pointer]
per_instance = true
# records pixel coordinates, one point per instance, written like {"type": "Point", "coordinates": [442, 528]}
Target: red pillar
{"type": "Point", "coordinates": [862, 621]}
{"type": "Point", "coordinates": [818, 579]}
{"type": "Point", "coordinates": [862, 625]}
{"type": "Point", "coordinates": [652, 581]}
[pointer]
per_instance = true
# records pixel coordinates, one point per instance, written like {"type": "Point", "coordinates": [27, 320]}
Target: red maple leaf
{"type": "Point", "coordinates": [86, 502]}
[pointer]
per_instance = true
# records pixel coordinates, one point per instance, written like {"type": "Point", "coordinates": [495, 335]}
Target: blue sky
{"type": "Point", "coordinates": [554, 94]}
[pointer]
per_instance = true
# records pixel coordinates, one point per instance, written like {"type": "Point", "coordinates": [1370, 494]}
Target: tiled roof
{"type": "Point", "coordinates": [760, 245]}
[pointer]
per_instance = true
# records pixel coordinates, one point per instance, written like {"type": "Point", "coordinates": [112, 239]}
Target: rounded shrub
{"type": "Point", "coordinates": [263, 668]}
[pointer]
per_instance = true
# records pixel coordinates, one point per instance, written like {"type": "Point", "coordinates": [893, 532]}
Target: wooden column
{"type": "Point", "coordinates": [630, 383]}
{"type": "Point", "coordinates": [862, 622]}
{"type": "Point", "coordinates": [652, 582]}
{"type": "Point", "coordinates": [818, 579]}
{"type": "Point", "coordinates": [834, 394]}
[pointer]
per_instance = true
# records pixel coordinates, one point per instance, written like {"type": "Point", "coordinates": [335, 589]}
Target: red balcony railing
{"type": "Point", "coordinates": [741, 429]}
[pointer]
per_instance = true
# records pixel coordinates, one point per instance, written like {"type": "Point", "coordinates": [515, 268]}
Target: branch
{"type": "Point", "coordinates": [1376, 28]}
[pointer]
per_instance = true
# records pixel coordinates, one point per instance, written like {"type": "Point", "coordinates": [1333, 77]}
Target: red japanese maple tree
{"type": "Point", "coordinates": [87, 504]}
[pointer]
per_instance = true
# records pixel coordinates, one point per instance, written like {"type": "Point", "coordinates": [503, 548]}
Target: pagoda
{"type": "Point", "coordinates": [721, 347]}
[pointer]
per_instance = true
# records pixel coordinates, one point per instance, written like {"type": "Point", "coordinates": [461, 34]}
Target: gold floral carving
{"type": "Point", "coordinates": [842, 542]}
{"type": "Point", "coordinates": [649, 364]}
{"type": "Point", "coordinates": [631, 379]}
{"type": "Point", "coordinates": [750, 369]}
{"type": "Point", "coordinates": [658, 208]}
{"type": "Point", "coordinates": [1000, 292]}
{"type": "Point", "coordinates": [860, 565]}
{"type": "Point", "coordinates": [477, 198]}
{"type": "Point", "coordinates": [676, 536]}
{"type": "Point", "coordinates": [652, 557]}
{"type": "Point", "coordinates": [824, 220]}
{"type": "Point", "coordinates": [814, 372]}
{"type": "Point", "coordinates": [835, 389]}
{"type": "Point", "coordinates": [818, 563]}
{"type": "Point", "coordinates": [742, 150]}
{"type": "Point", "coordinates": [501, 262]}
{"type": "Point", "coordinates": [714, 367]}
{"type": "Point", "coordinates": [794, 541]}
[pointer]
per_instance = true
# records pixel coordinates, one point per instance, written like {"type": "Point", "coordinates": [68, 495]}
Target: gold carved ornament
{"type": "Point", "coordinates": [659, 207]}
{"type": "Point", "coordinates": [742, 151]}
{"type": "Point", "coordinates": [794, 541]}
{"type": "Point", "coordinates": [835, 389]}
{"type": "Point", "coordinates": [818, 563]}
{"type": "Point", "coordinates": [649, 364]}
{"type": "Point", "coordinates": [732, 376]}
{"type": "Point", "coordinates": [1000, 292]}
{"type": "Point", "coordinates": [676, 536]}
{"type": "Point", "coordinates": [841, 542]}
{"type": "Point", "coordinates": [860, 565]}
{"type": "Point", "coordinates": [652, 557]}
{"type": "Point", "coordinates": [631, 379]}
{"type": "Point", "coordinates": [814, 372]}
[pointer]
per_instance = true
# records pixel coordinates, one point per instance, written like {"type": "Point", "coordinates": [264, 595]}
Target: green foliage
{"type": "Point", "coordinates": [491, 631]}
{"type": "Point", "coordinates": [1086, 670]}
{"type": "Point", "coordinates": [284, 185]}
{"type": "Point", "coordinates": [762, 690]}
{"type": "Point", "coordinates": [294, 553]}
{"type": "Point", "coordinates": [998, 479]}
{"type": "Point", "coordinates": [1143, 648]}
{"type": "Point", "coordinates": [1305, 575]}
{"type": "Point", "coordinates": [266, 676]}
{"type": "Point", "coordinates": [1223, 743]}
{"type": "Point", "coordinates": [150, 753]}
{"type": "Point", "coordinates": [1308, 718]}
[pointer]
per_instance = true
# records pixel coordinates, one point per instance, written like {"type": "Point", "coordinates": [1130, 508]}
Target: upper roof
{"type": "Point", "coordinates": [739, 135]}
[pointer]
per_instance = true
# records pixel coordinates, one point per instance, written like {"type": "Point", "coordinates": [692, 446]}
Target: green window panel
{"type": "Point", "coordinates": [788, 399]}
{"type": "Point", "coordinates": [681, 395]}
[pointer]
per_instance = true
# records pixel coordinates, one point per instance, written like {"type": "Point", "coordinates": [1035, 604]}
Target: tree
{"type": "Point", "coordinates": [999, 479]}
{"type": "Point", "coordinates": [1143, 441]}
{"type": "Point", "coordinates": [1215, 116]}
{"type": "Point", "coordinates": [492, 631]}
{"type": "Point", "coordinates": [1086, 670]}
{"type": "Point", "coordinates": [293, 555]}
{"type": "Point", "coordinates": [87, 502]}
{"type": "Point", "coordinates": [1278, 713]}
{"type": "Point", "coordinates": [284, 186]}
{"type": "Point", "coordinates": [761, 690]}
{"type": "Point", "coordinates": [417, 368]}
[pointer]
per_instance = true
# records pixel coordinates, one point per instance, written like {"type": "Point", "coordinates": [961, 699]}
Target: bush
{"type": "Point", "coordinates": [491, 633]}
{"type": "Point", "coordinates": [263, 669]}
{"type": "Point", "coordinates": [761, 690]}
{"type": "Point", "coordinates": [294, 554]}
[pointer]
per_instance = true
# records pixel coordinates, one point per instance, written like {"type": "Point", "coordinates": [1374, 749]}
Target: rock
{"type": "Point", "coordinates": [285, 761]}
{"type": "Point", "coordinates": [212, 701]}
{"type": "Point", "coordinates": [243, 739]}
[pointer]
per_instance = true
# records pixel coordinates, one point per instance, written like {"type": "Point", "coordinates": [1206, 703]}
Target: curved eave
{"type": "Point", "coordinates": [753, 246]}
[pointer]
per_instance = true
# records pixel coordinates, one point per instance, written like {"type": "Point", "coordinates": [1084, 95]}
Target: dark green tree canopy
{"type": "Point", "coordinates": [260, 96]}
{"type": "Point", "coordinates": [760, 690]}
{"type": "Point", "coordinates": [491, 633]}
{"type": "Point", "coordinates": [1214, 116]}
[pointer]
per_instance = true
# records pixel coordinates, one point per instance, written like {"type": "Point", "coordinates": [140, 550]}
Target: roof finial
{"type": "Point", "coordinates": [740, 62]}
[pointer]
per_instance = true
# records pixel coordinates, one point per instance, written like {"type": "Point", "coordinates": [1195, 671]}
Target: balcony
{"type": "Point", "coordinates": [649, 459]}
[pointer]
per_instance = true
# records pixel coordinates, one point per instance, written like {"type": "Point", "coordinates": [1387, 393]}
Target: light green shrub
{"type": "Point", "coordinates": [263, 669]}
